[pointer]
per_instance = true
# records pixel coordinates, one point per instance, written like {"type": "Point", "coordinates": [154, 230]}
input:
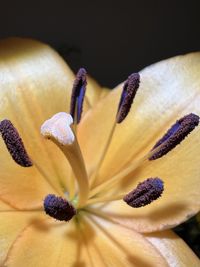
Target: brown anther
{"type": "Point", "coordinates": [145, 193]}
{"type": "Point", "coordinates": [128, 94]}
{"type": "Point", "coordinates": [59, 208]}
{"type": "Point", "coordinates": [175, 135]}
{"type": "Point", "coordinates": [14, 144]}
{"type": "Point", "coordinates": [78, 93]}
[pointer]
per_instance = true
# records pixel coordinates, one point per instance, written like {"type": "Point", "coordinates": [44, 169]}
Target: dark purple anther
{"type": "Point", "coordinates": [14, 144]}
{"type": "Point", "coordinates": [175, 135]}
{"type": "Point", "coordinates": [59, 208]}
{"type": "Point", "coordinates": [128, 94]}
{"type": "Point", "coordinates": [78, 93]}
{"type": "Point", "coordinates": [145, 193]}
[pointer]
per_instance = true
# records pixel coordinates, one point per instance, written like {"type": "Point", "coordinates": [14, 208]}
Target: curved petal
{"type": "Point", "coordinates": [179, 170]}
{"type": "Point", "coordinates": [22, 188]}
{"type": "Point", "coordinates": [82, 244]}
{"type": "Point", "coordinates": [174, 249]}
{"type": "Point", "coordinates": [35, 83]}
{"type": "Point", "coordinates": [12, 224]}
{"type": "Point", "coordinates": [94, 92]}
{"type": "Point", "coordinates": [167, 88]}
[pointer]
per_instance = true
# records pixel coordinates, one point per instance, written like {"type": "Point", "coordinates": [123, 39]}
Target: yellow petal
{"type": "Point", "coordinates": [35, 83]}
{"type": "Point", "coordinates": [180, 200]}
{"type": "Point", "coordinates": [4, 206]}
{"type": "Point", "coordinates": [12, 224]}
{"type": "Point", "coordinates": [82, 244]}
{"type": "Point", "coordinates": [22, 188]}
{"type": "Point", "coordinates": [119, 246]}
{"type": "Point", "coordinates": [174, 249]}
{"type": "Point", "coordinates": [94, 92]}
{"type": "Point", "coordinates": [167, 89]}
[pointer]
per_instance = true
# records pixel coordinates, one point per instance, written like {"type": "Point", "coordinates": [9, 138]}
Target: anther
{"type": "Point", "coordinates": [78, 93]}
{"type": "Point", "coordinates": [175, 135]}
{"type": "Point", "coordinates": [128, 94]}
{"type": "Point", "coordinates": [14, 144]}
{"type": "Point", "coordinates": [145, 193]}
{"type": "Point", "coordinates": [59, 208]}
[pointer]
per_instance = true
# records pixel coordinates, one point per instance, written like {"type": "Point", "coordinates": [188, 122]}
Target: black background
{"type": "Point", "coordinates": [110, 39]}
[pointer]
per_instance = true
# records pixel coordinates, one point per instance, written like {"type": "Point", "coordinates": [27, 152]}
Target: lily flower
{"type": "Point", "coordinates": [99, 184]}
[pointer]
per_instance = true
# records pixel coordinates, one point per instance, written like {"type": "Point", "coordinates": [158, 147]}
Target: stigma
{"type": "Point", "coordinates": [59, 208]}
{"type": "Point", "coordinates": [145, 193]}
{"type": "Point", "coordinates": [58, 128]}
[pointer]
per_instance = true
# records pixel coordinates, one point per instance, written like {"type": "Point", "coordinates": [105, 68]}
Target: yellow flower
{"type": "Point", "coordinates": [35, 85]}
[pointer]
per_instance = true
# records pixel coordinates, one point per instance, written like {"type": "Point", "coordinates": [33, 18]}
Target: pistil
{"type": "Point", "coordinates": [59, 131]}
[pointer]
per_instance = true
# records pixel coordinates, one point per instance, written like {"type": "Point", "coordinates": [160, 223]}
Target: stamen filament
{"type": "Point", "coordinates": [104, 199]}
{"type": "Point", "coordinates": [57, 188]}
{"type": "Point", "coordinates": [101, 160]}
{"type": "Point", "coordinates": [59, 131]}
{"type": "Point", "coordinates": [118, 177]}
{"type": "Point", "coordinates": [121, 175]}
{"type": "Point", "coordinates": [99, 213]}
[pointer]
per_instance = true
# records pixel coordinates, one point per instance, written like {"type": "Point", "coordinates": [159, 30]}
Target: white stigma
{"type": "Point", "coordinates": [58, 127]}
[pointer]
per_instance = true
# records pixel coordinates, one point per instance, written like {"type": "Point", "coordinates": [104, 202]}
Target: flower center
{"type": "Point", "coordinates": [61, 130]}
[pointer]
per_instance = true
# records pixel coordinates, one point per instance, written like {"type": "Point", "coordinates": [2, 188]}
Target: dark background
{"type": "Point", "coordinates": [110, 39]}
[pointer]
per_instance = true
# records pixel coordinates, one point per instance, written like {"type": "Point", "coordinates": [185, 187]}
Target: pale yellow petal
{"type": "Point", "coordinates": [12, 224]}
{"type": "Point", "coordinates": [35, 83]}
{"type": "Point", "coordinates": [180, 200]}
{"type": "Point", "coordinates": [174, 249]}
{"type": "Point", "coordinates": [82, 243]}
{"type": "Point", "coordinates": [94, 92]}
{"type": "Point", "coordinates": [168, 90]}
{"type": "Point", "coordinates": [5, 206]}
{"type": "Point", "coordinates": [118, 246]}
{"type": "Point", "coordinates": [22, 188]}
{"type": "Point", "coordinates": [49, 244]}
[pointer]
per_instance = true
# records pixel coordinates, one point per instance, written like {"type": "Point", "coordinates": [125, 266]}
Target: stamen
{"type": "Point", "coordinates": [175, 135]}
{"type": "Point", "coordinates": [78, 93]}
{"type": "Point", "coordinates": [128, 94]}
{"type": "Point", "coordinates": [14, 144]}
{"type": "Point", "coordinates": [59, 208]}
{"type": "Point", "coordinates": [129, 91]}
{"type": "Point", "coordinates": [58, 130]}
{"type": "Point", "coordinates": [145, 193]}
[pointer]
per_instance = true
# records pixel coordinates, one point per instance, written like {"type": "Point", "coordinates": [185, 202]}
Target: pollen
{"type": "Point", "coordinates": [175, 135]}
{"type": "Point", "coordinates": [145, 193]}
{"type": "Point", "coordinates": [78, 93]}
{"type": "Point", "coordinates": [128, 94]}
{"type": "Point", "coordinates": [59, 208]}
{"type": "Point", "coordinates": [14, 144]}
